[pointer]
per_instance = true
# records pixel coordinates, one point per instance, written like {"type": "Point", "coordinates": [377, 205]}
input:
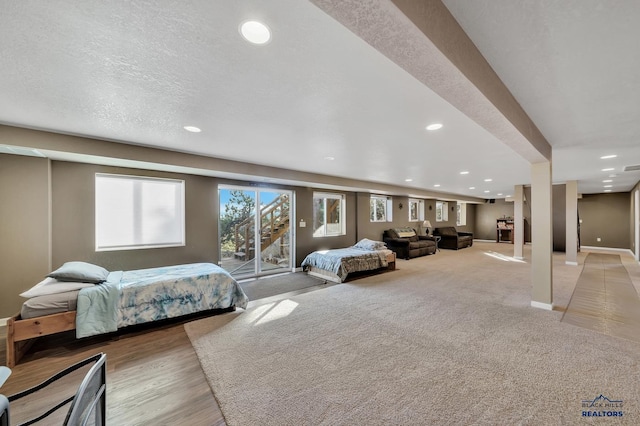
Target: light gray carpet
{"type": "Point", "coordinates": [278, 284]}
{"type": "Point", "coordinates": [444, 339]}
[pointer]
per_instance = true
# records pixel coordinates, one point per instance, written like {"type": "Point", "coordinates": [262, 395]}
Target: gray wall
{"type": "Point", "coordinates": [38, 235]}
{"type": "Point", "coordinates": [375, 230]}
{"type": "Point", "coordinates": [606, 216]}
{"type": "Point", "coordinates": [32, 245]}
{"type": "Point", "coordinates": [24, 227]}
{"type": "Point", "coordinates": [73, 220]}
{"type": "Point", "coordinates": [305, 242]}
{"type": "Point", "coordinates": [72, 227]}
{"type": "Point", "coordinates": [559, 214]}
{"type": "Point", "coordinates": [486, 216]}
{"type": "Point", "coordinates": [488, 213]}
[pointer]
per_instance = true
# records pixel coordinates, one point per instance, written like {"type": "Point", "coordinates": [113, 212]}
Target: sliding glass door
{"type": "Point", "coordinates": [255, 230]}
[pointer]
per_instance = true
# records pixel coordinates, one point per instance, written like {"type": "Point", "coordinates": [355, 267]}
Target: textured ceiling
{"type": "Point", "coordinates": [137, 72]}
{"type": "Point", "coordinates": [573, 66]}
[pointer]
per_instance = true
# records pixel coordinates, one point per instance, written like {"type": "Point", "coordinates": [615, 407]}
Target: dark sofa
{"type": "Point", "coordinates": [407, 244]}
{"type": "Point", "coordinates": [452, 239]}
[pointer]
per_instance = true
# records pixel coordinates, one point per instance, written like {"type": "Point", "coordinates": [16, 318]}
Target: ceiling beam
{"type": "Point", "coordinates": [424, 39]}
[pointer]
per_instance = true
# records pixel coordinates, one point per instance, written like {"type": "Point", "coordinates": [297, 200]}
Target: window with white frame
{"type": "Point", "coordinates": [135, 212]}
{"type": "Point", "coordinates": [328, 214]}
{"type": "Point", "coordinates": [461, 216]}
{"type": "Point", "coordinates": [442, 211]}
{"type": "Point", "coordinates": [416, 210]}
{"type": "Point", "coordinates": [380, 208]}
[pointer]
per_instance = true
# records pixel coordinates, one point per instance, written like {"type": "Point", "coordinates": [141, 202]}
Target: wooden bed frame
{"type": "Point", "coordinates": [22, 332]}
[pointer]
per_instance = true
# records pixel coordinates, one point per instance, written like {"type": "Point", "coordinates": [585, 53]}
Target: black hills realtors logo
{"type": "Point", "coordinates": [601, 406]}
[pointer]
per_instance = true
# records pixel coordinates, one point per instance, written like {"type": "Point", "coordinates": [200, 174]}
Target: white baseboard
{"type": "Point", "coordinates": [3, 321]}
{"type": "Point", "coordinates": [540, 305]}
{"type": "Point", "coordinates": [608, 249]}
{"type": "Point", "coordinates": [299, 269]}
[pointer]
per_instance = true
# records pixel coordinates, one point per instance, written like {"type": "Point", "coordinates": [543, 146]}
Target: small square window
{"type": "Point", "coordinates": [461, 215]}
{"type": "Point", "coordinates": [380, 209]}
{"type": "Point", "coordinates": [328, 214]}
{"type": "Point", "coordinates": [442, 211]}
{"type": "Point", "coordinates": [416, 210]}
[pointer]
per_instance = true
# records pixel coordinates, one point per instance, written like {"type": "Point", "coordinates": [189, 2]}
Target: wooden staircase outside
{"type": "Point", "coordinates": [274, 224]}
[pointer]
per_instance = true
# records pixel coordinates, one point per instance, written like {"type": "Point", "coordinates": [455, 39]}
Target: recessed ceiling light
{"type": "Point", "coordinates": [255, 32]}
{"type": "Point", "coordinates": [608, 186]}
{"type": "Point", "coordinates": [613, 175]}
{"type": "Point", "coordinates": [486, 192]}
{"type": "Point", "coordinates": [472, 187]}
{"type": "Point", "coordinates": [192, 129]}
{"type": "Point", "coordinates": [607, 190]}
{"type": "Point", "coordinates": [500, 193]}
{"type": "Point", "coordinates": [329, 158]}
{"type": "Point", "coordinates": [408, 180]}
{"type": "Point", "coordinates": [437, 185]}
{"type": "Point", "coordinates": [488, 180]}
{"type": "Point", "coordinates": [607, 181]}
{"type": "Point", "coordinates": [608, 170]}
{"type": "Point", "coordinates": [464, 173]}
{"type": "Point", "coordinates": [434, 126]}
{"type": "Point", "coordinates": [606, 157]}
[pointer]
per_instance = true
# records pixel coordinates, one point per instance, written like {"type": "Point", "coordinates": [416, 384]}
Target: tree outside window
{"type": "Point", "coordinates": [416, 210]}
{"type": "Point", "coordinates": [442, 211]}
{"type": "Point", "coordinates": [378, 208]}
{"type": "Point", "coordinates": [328, 214]}
{"type": "Point", "coordinates": [461, 215]}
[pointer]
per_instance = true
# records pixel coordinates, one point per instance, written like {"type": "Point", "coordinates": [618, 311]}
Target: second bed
{"type": "Point", "coordinates": [335, 265]}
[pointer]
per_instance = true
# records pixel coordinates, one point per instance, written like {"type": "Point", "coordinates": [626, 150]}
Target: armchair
{"type": "Point", "coordinates": [407, 244]}
{"type": "Point", "coordinates": [452, 239]}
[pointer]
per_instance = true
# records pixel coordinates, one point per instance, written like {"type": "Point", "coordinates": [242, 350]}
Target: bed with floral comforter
{"type": "Point", "coordinates": [146, 295]}
{"type": "Point", "coordinates": [336, 264]}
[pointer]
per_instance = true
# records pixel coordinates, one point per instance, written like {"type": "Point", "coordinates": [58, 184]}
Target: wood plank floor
{"type": "Point", "coordinates": [153, 376]}
{"type": "Point", "coordinates": [605, 299]}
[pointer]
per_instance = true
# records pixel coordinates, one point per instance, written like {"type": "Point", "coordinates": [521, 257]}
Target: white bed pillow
{"type": "Point", "coordinates": [367, 244]}
{"type": "Point", "coordinates": [52, 286]}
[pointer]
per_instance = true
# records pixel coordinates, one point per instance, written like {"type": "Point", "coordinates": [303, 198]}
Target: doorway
{"type": "Point", "coordinates": [255, 232]}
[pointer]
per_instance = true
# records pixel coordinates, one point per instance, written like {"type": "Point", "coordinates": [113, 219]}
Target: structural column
{"type": "Point", "coordinates": [518, 222]}
{"type": "Point", "coordinates": [541, 236]}
{"type": "Point", "coordinates": [572, 223]}
{"type": "Point", "coordinates": [636, 213]}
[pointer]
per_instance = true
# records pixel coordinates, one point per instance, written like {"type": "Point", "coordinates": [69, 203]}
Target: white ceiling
{"type": "Point", "coordinates": [137, 72]}
{"type": "Point", "coordinates": [573, 65]}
